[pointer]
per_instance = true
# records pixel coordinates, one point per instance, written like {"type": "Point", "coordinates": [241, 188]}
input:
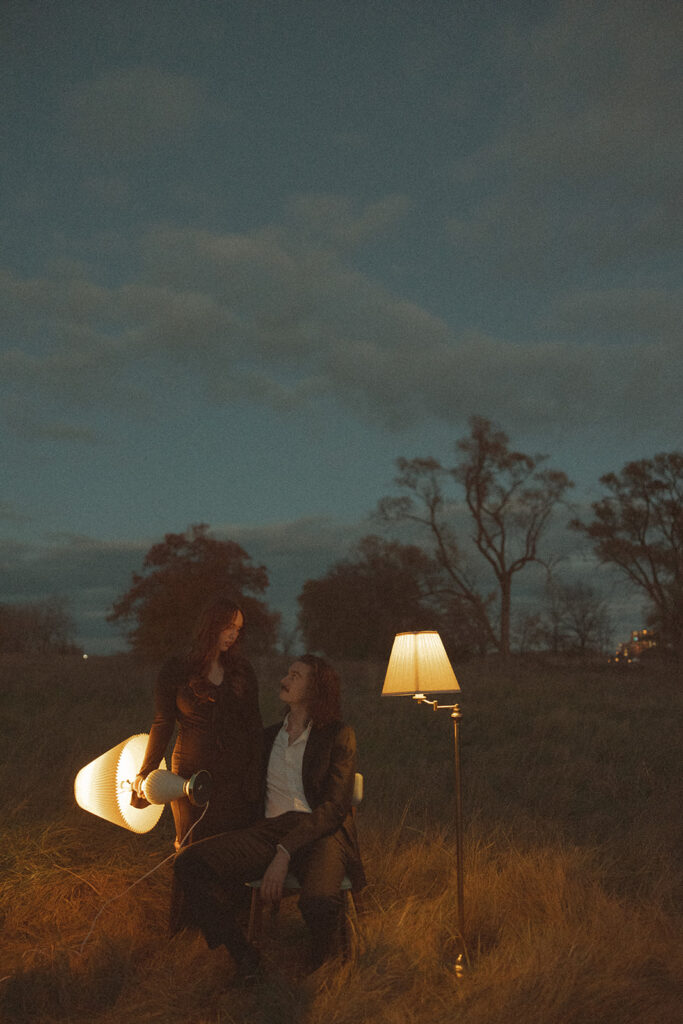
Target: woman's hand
{"type": "Point", "coordinates": [274, 877]}
{"type": "Point", "coordinates": [138, 786]}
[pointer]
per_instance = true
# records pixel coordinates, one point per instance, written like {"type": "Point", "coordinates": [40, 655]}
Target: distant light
{"type": "Point", "coordinates": [85, 657]}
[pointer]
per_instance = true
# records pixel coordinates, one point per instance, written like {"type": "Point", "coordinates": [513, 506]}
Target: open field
{"type": "Point", "coordinates": [573, 795]}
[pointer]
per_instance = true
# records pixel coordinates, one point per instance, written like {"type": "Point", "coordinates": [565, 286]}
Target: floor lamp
{"type": "Point", "coordinates": [419, 665]}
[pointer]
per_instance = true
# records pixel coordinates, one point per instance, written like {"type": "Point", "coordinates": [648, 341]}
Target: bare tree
{"type": "Point", "coordinates": [510, 499]}
{"type": "Point", "coordinates": [575, 618]}
{"type": "Point", "coordinates": [586, 618]}
{"type": "Point", "coordinates": [529, 634]}
{"type": "Point", "coordinates": [638, 527]}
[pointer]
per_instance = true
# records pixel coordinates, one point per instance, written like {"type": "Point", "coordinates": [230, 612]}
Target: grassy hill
{"type": "Point", "coordinates": [572, 792]}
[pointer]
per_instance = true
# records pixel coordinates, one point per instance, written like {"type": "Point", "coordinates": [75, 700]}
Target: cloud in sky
{"type": "Point", "coordinates": [129, 111]}
{"type": "Point", "coordinates": [582, 167]}
{"type": "Point", "coordinates": [593, 93]}
{"type": "Point", "coordinates": [286, 318]}
{"type": "Point", "coordinates": [240, 277]}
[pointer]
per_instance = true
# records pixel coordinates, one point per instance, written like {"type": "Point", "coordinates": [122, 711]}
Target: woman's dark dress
{"type": "Point", "coordinates": [219, 730]}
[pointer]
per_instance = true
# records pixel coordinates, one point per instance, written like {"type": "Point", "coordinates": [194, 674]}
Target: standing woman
{"type": "Point", "coordinates": [212, 694]}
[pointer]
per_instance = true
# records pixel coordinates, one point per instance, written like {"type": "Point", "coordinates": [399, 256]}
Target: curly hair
{"type": "Point", "coordinates": [325, 701]}
{"type": "Point", "coordinates": [213, 619]}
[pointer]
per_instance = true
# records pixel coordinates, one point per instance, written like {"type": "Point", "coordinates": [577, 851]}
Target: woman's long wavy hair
{"type": "Point", "coordinates": [215, 617]}
{"type": "Point", "coordinates": [325, 698]}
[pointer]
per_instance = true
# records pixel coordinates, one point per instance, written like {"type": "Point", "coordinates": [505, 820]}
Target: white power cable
{"type": "Point", "coordinates": [171, 856]}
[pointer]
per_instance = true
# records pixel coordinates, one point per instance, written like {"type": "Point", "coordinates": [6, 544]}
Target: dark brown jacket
{"type": "Point", "coordinates": [328, 775]}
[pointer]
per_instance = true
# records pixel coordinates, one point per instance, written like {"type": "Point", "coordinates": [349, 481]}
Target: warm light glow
{"type": "Point", "coordinates": [418, 664]}
{"type": "Point", "coordinates": [104, 786]}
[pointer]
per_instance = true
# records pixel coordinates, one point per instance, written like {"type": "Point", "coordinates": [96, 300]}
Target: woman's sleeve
{"type": "Point", "coordinates": [338, 793]}
{"type": "Point", "coordinates": [164, 720]}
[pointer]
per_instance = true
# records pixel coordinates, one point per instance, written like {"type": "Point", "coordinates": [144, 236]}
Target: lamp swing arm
{"type": "Point", "coordinates": [454, 708]}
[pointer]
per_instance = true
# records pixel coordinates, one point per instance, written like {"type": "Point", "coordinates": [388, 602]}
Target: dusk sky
{"type": "Point", "coordinates": [252, 252]}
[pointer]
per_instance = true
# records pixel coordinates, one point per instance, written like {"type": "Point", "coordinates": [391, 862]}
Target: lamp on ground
{"type": "Point", "coordinates": [104, 786]}
{"type": "Point", "coordinates": [419, 665]}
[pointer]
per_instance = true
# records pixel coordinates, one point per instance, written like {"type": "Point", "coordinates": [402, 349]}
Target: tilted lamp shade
{"type": "Point", "coordinates": [418, 664]}
{"type": "Point", "coordinates": [104, 786]}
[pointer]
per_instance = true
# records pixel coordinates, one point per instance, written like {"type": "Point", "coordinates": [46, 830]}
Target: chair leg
{"type": "Point", "coordinates": [349, 925]}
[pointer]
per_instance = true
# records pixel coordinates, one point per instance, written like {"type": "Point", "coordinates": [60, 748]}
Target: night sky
{"type": "Point", "coordinates": [252, 252]}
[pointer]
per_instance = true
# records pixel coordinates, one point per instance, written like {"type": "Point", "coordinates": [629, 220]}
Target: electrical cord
{"type": "Point", "coordinates": [147, 874]}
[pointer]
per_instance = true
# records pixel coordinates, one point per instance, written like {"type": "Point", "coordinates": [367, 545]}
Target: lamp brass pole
{"type": "Point", "coordinates": [418, 665]}
{"type": "Point", "coordinates": [456, 715]}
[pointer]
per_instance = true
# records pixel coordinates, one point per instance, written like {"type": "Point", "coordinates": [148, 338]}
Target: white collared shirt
{"type": "Point", "coordinates": [284, 783]}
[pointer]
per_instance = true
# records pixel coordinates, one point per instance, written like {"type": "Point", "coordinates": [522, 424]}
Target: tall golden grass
{"type": "Point", "coordinates": [572, 792]}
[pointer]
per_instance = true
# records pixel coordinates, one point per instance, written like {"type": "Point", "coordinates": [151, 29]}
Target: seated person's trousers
{"type": "Point", "coordinates": [213, 872]}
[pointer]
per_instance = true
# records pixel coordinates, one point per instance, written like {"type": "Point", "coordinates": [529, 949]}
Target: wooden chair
{"type": "Point", "coordinates": [292, 886]}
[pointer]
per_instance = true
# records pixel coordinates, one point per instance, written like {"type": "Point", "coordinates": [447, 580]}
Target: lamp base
{"type": "Point", "coordinates": [198, 788]}
{"type": "Point", "coordinates": [161, 787]}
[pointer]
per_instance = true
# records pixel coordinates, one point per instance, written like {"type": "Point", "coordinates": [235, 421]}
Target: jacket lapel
{"type": "Point", "coordinates": [311, 765]}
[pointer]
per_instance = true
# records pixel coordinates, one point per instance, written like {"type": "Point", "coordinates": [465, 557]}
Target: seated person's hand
{"type": "Point", "coordinates": [273, 879]}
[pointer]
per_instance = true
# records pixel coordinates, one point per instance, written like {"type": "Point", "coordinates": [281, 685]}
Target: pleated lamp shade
{"type": "Point", "coordinates": [104, 786]}
{"type": "Point", "coordinates": [418, 664]}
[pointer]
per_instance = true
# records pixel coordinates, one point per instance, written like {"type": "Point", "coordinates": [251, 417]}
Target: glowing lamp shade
{"type": "Point", "coordinates": [418, 664]}
{"type": "Point", "coordinates": [104, 786]}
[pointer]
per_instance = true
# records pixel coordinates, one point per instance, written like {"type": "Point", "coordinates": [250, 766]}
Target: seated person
{"type": "Point", "coordinates": [308, 827]}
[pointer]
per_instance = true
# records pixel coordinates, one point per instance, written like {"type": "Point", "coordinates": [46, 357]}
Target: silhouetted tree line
{"type": "Point", "coordinates": [503, 501]}
{"type": "Point", "coordinates": [41, 627]}
{"type": "Point", "coordinates": [383, 588]}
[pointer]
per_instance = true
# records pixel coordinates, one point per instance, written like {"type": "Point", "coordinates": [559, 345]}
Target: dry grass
{"type": "Point", "coordinates": [572, 789]}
